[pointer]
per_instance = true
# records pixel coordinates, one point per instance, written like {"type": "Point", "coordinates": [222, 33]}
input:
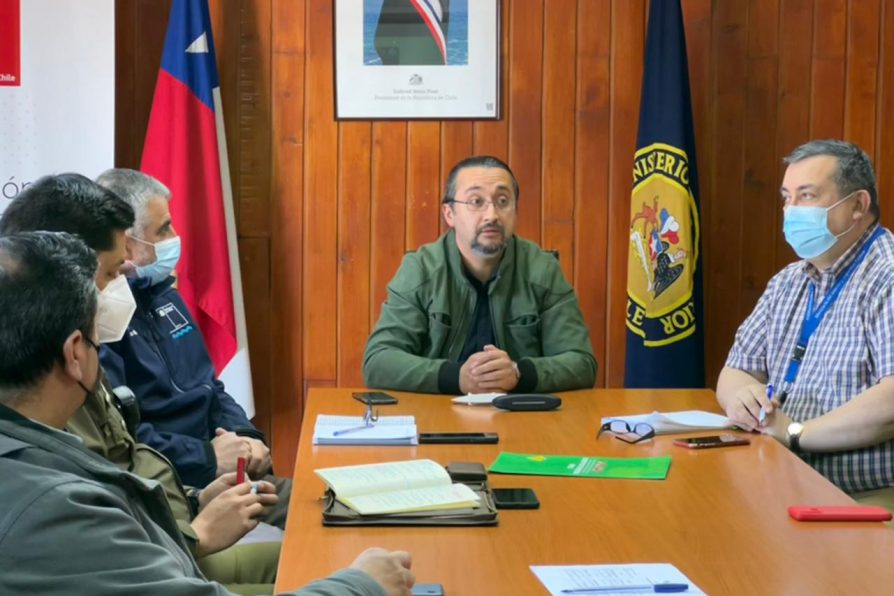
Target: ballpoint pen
{"type": "Point", "coordinates": [665, 588]}
{"type": "Point", "coordinates": [345, 431]}
{"type": "Point", "coordinates": [369, 419]}
{"type": "Point", "coordinates": [763, 415]}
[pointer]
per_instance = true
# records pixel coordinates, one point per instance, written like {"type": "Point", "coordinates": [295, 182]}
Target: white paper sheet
{"type": "Point", "coordinates": [566, 580]}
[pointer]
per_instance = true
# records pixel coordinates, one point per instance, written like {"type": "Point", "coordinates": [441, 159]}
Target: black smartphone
{"type": "Point", "coordinates": [711, 441]}
{"type": "Point", "coordinates": [458, 438]}
{"type": "Point", "coordinates": [515, 498]}
{"type": "Point", "coordinates": [376, 398]}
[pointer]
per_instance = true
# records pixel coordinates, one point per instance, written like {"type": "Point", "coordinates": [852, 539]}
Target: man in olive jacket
{"type": "Point", "coordinates": [480, 309]}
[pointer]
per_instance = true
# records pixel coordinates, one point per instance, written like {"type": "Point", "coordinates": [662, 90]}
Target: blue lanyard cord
{"type": "Point", "coordinates": [813, 318]}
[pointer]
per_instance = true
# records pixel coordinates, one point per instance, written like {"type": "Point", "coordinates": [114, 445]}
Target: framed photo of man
{"type": "Point", "coordinates": [417, 59]}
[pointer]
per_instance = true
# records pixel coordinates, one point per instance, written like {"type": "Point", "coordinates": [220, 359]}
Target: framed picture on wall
{"type": "Point", "coordinates": [426, 59]}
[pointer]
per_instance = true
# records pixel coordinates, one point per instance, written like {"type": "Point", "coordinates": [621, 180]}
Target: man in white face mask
{"type": "Point", "coordinates": [813, 365]}
{"type": "Point", "coordinates": [185, 409]}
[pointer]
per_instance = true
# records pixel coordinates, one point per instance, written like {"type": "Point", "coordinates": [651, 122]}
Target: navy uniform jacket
{"type": "Point", "coordinates": [163, 359]}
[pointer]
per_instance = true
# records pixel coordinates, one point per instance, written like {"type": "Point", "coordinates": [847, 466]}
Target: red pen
{"type": "Point", "coordinates": [240, 470]}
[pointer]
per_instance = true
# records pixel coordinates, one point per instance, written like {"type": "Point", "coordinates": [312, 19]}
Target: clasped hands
{"type": "Point", "coordinates": [488, 371]}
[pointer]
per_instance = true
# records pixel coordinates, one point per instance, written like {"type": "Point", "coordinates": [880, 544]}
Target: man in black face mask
{"type": "Point", "coordinates": [70, 519]}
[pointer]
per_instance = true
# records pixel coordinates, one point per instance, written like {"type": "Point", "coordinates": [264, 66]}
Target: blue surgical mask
{"type": "Point", "coordinates": [167, 253]}
{"type": "Point", "coordinates": [807, 229]}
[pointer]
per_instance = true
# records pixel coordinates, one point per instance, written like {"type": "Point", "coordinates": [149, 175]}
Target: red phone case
{"type": "Point", "coordinates": [839, 513]}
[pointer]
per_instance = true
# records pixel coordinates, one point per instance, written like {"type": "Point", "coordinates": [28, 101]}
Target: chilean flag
{"type": "Point", "coordinates": [186, 150]}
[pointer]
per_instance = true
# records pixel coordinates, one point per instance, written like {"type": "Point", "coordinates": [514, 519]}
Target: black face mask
{"type": "Point", "coordinates": [98, 369]}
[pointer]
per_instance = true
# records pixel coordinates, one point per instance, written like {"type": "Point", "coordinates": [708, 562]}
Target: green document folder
{"type": "Point", "coordinates": [645, 468]}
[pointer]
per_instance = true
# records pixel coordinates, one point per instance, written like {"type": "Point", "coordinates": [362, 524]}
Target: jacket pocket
{"type": "Point", "coordinates": [439, 328]}
{"type": "Point", "coordinates": [524, 337]}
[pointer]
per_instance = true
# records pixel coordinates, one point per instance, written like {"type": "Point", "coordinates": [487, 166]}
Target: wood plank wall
{"type": "Point", "coordinates": [327, 209]}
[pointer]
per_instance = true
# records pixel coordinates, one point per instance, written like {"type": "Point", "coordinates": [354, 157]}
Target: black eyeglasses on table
{"type": "Point", "coordinates": [640, 431]}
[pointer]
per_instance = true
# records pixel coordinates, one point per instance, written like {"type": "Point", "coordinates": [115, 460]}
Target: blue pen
{"type": "Point", "coordinates": [763, 415]}
{"type": "Point", "coordinates": [665, 588]}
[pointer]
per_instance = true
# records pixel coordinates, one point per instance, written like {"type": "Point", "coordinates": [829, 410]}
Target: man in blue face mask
{"type": "Point", "coordinates": [185, 410]}
{"type": "Point", "coordinates": [813, 365]}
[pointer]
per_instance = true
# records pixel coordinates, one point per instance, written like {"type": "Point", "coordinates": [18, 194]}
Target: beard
{"type": "Point", "coordinates": [493, 249]}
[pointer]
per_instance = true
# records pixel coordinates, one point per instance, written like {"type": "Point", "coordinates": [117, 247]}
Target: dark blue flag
{"type": "Point", "coordinates": [665, 345]}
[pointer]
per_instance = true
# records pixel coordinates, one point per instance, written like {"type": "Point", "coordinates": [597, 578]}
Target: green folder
{"type": "Point", "coordinates": [644, 468]}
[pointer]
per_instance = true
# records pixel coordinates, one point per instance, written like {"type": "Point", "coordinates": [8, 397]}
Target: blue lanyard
{"type": "Point", "coordinates": [813, 318]}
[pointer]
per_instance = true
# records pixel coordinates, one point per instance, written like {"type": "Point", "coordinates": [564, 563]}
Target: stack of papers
{"type": "Point", "coordinates": [387, 430]}
{"type": "Point", "coordinates": [562, 580]}
{"type": "Point", "coordinates": [676, 422]}
{"type": "Point", "coordinates": [397, 487]}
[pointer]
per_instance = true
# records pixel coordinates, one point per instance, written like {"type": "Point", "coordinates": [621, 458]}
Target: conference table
{"type": "Point", "coordinates": [720, 516]}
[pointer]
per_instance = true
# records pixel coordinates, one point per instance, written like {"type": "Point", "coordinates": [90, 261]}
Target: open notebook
{"type": "Point", "coordinates": [387, 430]}
{"type": "Point", "coordinates": [395, 487]}
{"type": "Point", "coordinates": [666, 423]}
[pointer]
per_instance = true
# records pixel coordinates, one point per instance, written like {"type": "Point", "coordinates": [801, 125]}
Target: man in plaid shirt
{"type": "Point", "coordinates": [813, 364]}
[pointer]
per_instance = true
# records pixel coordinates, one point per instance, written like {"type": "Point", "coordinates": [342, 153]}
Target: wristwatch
{"type": "Point", "coordinates": [515, 368]}
{"type": "Point", "coordinates": [794, 431]}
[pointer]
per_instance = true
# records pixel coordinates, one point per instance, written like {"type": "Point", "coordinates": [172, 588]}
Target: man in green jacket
{"type": "Point", "coordinates": [480, 309]}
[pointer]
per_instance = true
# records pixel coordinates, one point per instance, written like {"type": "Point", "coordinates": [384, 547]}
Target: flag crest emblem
{"type": "Point", "coordinates": [663, 247]}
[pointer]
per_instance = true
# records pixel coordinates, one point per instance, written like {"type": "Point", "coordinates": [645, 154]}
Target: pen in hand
{"type": "Point", "coordinates": [763, 414]}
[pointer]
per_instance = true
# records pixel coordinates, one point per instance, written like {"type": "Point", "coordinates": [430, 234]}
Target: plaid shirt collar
{"type": "Point", "coordinates": [826, 277]}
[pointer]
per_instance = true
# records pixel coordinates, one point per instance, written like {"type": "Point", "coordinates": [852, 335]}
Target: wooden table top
{"type": "Point", "coordinates": [720, 516]}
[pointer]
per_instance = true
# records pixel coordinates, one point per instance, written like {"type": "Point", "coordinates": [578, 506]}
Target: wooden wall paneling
{"type": "Point", "coordinates": [884, 152]}
{"type": "Point", "coordinates": [254, 258]}
{"type": "Point", "coordinates": [423, 183]}
{"type": "Point", "coordinates": [761, 210]}
{"type": "Point", "coordinates": [355, 143]}
{"type": "Point", "coordinates": [829, 65]}
{"type": "Point", "coordinates": [795, 97]}
{"type": "Point", "coordinates": [627, 52]}
{"type": "Point", "coordinates": [456, 145]}
{"type": "Point", "coordinates": [861, 92]}
{"type": "Point", "coordinates": [146, 24]}
{"type": "Point", "coordinates": [252, 148]}
{"type": "Point", "coordinates": [287, 241]}
{"type": "Point", "coordinates": [227, 20]}
{"type": "Point", "coordinates": [724, 245]}
{"type": "Point", "coordinates": [591, 150]}
{"type": "Point", "coordinates": [321, 201]}
{"type": "Point", "coordinates": [697, 21]}
{"type": "Point", "coordinates": [125, 81]}
{"type": "Point", "coordinates": [559, 84]}
{"type": "Point", "coordinates": [388, 208]}
{"type": "Point", "coordinates": [491, 137]}
{"type": "Point", "coordinates": [525, 100]}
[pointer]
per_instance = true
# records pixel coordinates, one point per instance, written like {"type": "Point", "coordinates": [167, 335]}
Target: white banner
{"type": "Point", "coordinates": [61, 118]}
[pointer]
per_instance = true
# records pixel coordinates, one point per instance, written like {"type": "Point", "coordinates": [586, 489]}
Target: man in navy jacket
{"type": "Point", "coordinates": [185, 410]}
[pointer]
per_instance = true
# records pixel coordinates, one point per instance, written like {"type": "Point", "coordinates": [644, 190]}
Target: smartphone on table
{"type": "Point", "coordinates": [711, 441]}
{"type": "Point", "coordinates": [375, 398]}
{"type": "Point", "coordinates": [515, 498]}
